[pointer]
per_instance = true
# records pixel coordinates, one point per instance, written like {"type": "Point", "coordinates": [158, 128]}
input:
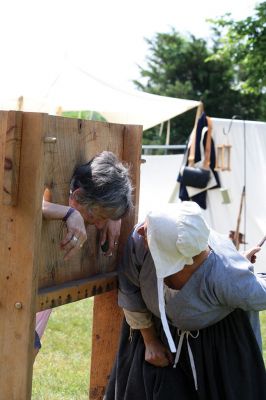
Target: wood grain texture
{"type": "Point", "coordinates": [75, 290]}
{"type": "Point", "coordinates": [77, 141]}
{"type": "Point", "coordinates": [107, 316]}
{"type": "Point", "coordinates": [30, 255]}
{"type": "Point", "coordinates": [12, 158]}
{"type": "Point", "coordinates": [20, 232]}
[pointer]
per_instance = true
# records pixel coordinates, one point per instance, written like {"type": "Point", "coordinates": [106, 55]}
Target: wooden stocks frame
{"type": "Point", "coordinates": [38, 152]}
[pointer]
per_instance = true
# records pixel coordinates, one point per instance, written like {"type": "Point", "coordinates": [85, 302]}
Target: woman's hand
{"type": "Point", "coordinates": [110, 233]}
{"type": "Point", "coordinates": [251, 254]}
{"type": "Point", "coordinates": [157, 354]}
{"type": "Point", "coordinates": [76, 231]}
{"type": "Point", "coordinates": [76, 235]}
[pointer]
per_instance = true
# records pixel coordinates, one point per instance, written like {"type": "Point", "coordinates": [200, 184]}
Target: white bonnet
{"type": "Point", "coordinates": [175, 234]}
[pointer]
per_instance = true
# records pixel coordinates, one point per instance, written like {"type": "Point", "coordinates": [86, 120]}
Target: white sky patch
{"type": "Point", "coordinates": [106, 38]}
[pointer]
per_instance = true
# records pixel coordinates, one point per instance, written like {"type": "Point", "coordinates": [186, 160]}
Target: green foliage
{"type": "Point", "coordinates": [263, 333]}
{"type": "Point", "coordinates": [228, 75]}
{"type": "Point", "coordinates": [244, 42]}
{"type": "Point", "coordinates": [89, 115]}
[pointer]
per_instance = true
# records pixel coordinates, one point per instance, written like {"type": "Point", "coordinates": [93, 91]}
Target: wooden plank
{"type": "Point", "coordinates": [107, 316]}
{"type": "Point", "coordinates": [12, 158]}
{"type": "Point", "coordinates": [20, 230]}
{"type": "Point", "coordinates": [3, 129]}
{"type": "Point", "coordinates": [77, 141]}
{"type": "Point", "coordinates": [107, 319]}
{"type": "Point", "coordinates": [69, 292]}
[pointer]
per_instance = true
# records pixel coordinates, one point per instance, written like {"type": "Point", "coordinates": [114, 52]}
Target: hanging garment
{"type": "Point", "coordinates": [193, 152]}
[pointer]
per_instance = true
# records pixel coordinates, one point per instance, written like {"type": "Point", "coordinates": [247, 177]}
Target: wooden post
{"type": "Point", "coordinates": [107, 319]}
{"type": "Point", "coordinates": [20, 230]}
{"type": "Point", "coordinates": [107, 316]}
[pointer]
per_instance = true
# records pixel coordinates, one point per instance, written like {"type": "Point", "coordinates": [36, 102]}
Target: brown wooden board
{"type": "Point", "coordinates": [45, 149]}
{"type": "Point", "coordinates": [76, 142]}
{"type": "Point", "coordinates": [20, 232]}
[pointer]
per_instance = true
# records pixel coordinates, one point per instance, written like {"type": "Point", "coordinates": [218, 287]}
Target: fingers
{"type": "Point", "coordinates": [72, 245]}
{"type": "Point", "coordinates": [103, 236]}
{"type": "Point", "coordinates": [159, 360]}
{"type": "Point", "coordinates": [157, 354]}
{"type": "Point", "coordinates": [110, 233]}
{"type": "Point", "coordinates": [76, 235]}
{"type": "Point", "coordinates": [113, 245]}
{"type": "Point", "coordinates": [111, 249]}
{"type": "Point", "coordinates": [66, 239]}
{"type": "Point", "coordinates": [253, 259]}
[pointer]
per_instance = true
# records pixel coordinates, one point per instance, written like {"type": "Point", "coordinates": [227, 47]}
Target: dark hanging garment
{"type": "Point", "coordinates": [227, 358]}
{"type": "Point", "coordinates": [199, 198]}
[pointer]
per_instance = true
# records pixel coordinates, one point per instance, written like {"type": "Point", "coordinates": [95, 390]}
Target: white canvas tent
{"type": "Point", "coordinates": [74, 89]}
{"type": "Point", "coordinates": [159, 173]}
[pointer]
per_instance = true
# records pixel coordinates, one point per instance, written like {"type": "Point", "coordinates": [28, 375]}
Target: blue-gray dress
{"type": "Point", "coordinates": [217, 311]}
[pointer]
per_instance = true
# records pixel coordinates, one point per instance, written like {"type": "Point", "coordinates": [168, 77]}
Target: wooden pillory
{"type": "Point", "coordinates": [38, 152]}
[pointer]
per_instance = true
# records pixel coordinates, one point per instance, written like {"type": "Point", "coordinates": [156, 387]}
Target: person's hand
{"type": "Point", "coordinates": [251, 254]}
{"type": "Point", "coordinates": [110, 233]}
{"type": "Point", "coordinates": [157, 354]}
{"type": "Point", "coordinates": [76, 235]}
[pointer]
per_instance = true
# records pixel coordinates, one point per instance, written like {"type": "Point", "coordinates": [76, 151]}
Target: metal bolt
{"type": "Point", "coordinates": [50, 139]}
{"type": "Point", "coordinates": [18, 305]}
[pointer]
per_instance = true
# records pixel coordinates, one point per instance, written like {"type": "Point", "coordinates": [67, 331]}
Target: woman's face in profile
{"type": "Point", "coordinates": [96, 216]}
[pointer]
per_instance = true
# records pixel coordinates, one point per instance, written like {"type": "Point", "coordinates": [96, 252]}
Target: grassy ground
{"type": "Point", "coordinates": [61, 370]}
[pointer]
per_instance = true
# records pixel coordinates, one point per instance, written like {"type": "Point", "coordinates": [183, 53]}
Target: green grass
{"type": "Point", "coordinates": [263, 333]}
{"type": "Point", "coordinates": [61, 369]}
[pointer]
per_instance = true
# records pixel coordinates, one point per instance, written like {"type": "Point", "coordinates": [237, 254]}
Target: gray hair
{"type": "Point", "coordinates": [104, 182]}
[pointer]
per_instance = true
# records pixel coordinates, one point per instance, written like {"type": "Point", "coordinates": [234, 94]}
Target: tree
{"type": "Point", "coordinates": [189, 68]}
{"type": "Point", "coordinates": [244, 42]}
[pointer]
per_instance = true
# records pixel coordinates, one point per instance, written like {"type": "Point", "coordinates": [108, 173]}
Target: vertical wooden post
{"type": "Point", "coordinates": [20, 230]}
{"type": "Point", "coordinates": [107, 316]}
{"type": "Point", "coordinates": [107, 319]}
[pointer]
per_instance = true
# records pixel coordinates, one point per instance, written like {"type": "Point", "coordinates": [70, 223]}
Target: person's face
{"type": "Point", "coordinates": [96, 217]}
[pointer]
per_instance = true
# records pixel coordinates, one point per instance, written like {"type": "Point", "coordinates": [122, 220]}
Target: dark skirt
{"type": "Point", "coordinates": [228, 361]}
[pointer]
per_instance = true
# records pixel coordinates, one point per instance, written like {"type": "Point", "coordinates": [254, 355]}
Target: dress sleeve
{"type": "Point", "coordinates": [138, 320]}
{"type": "Point", "coordinates": [129, 293]}
{"type": "Point", "coordinates": [241, 288]}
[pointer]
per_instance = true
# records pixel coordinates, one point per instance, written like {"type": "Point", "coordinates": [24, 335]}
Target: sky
{"type": "Point", "coordinates": [103, 37]}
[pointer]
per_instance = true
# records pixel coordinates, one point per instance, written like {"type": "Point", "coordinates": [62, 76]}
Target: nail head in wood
{"type": "Point", "coordinates": [50, 139]}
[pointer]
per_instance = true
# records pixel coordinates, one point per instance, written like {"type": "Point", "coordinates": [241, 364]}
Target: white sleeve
{"type": "Point", "coordinates": [138, 320]}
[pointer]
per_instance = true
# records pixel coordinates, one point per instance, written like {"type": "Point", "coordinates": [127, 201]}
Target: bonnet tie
{"type": "Point", "coordinates": [186, 334]}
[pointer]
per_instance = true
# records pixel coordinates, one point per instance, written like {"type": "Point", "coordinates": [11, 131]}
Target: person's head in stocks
{"type": "Point", "coordinates": [177, 237]}
{"type": "Point", "coordinates": [101, 189]}
{"type": "Point", "coordinates": [100, 195]}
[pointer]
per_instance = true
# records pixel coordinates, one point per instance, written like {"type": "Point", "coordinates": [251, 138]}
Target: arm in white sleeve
{"type": "Point", "coordinates": [138, 320]}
